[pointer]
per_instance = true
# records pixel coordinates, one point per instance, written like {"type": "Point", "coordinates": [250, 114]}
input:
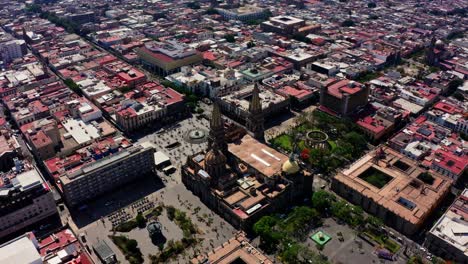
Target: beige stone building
{"type": "Point", "coordinates": [392, 187]}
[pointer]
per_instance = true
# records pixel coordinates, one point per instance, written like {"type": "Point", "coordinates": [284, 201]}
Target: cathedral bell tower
{"type": "Point", "coordinates": [255, 118]}
{"type": "Point", "coordinates": [216, 134]}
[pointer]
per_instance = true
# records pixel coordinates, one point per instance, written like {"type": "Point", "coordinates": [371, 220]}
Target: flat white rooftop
{"type": "Point", "coordinates": [19, 250]}
{"type": "Point", "coordinates": [80, 131]}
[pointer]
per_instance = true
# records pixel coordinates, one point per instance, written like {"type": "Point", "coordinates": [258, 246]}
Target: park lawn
{"type": "Point", "coordinates": [375, 177]}
{"type": "Point", "coordinates": [284, 141]}
{"type": "Point", "coordinates": [332, 144]}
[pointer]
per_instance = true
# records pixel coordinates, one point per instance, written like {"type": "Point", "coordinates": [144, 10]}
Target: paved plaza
{"type": "Point", "coordinates": [212, 235]}
{"type": "Point", "coordinates": [94, 219]}
{"type": "Point", "coordinates": [349, 249]}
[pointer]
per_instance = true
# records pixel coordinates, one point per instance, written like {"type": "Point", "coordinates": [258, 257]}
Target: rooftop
{"type": "Point", "coordinates": [452, 226]}
{"type": "Point", "coordinates": [20, 250]}
{"type": "Point", "coordinates": [398, 186]}
{"type": "Point", "coordinates": [344, 87]}
{"type": "Point", "coordinates": [235, 250]}
{"type": "Point", "coordinates": [258, 155]}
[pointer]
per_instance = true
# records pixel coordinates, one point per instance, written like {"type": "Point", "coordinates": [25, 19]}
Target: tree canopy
{"type": "Point", "coordinates": [322, 200]}
{"type": "Point", "coordinates": [230, 38]}
{"type": "Point", "coordinates": [347, 23]}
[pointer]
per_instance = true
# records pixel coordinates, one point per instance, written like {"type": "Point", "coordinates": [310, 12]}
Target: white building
{"type": "Point", "coordinates": [448, 237]}
{"type": "Point", "coordinates": [22, 249]}
{"type": "Point", "coordinates": [12, 49]}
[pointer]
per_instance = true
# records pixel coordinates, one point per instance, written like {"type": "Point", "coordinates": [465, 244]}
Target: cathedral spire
{"type": "Point", "coordinates": [255, 120]}
{"type": "Point", "coordinates": [216, 134]}
{"type": "Point", "coordinates": [255, 105]}
{"type": "Point", "coordinates": [216, 120]}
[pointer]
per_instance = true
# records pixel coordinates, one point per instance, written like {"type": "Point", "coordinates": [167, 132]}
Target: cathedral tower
{"type": "Point", "coordinates": [255, 119]}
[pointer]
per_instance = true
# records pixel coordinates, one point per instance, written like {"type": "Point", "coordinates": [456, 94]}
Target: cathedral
{"type": "Point", "coordinates": [244, 179]}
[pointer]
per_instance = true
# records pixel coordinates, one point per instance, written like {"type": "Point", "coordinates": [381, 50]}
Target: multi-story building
{"type": "Point", "coordinates": [392, 187]}
{"type": "Point", "coordinates": [243, 13]}
{"type": "Point", "coordinates": [437, 147]}
{"type": "Point", "coordinates": [100, 167]}
{"type": "Point", "coordinates": [167, 57]}
{"type": "Point", "coordinates": [12, 49]}
{"type": "Point", "coordinates": [9, 150]}
{"type": "Point", "coordinates": [288, 25]}
{"type": "Point", "coordinates": [344, 97]}
{"type": "Point", "coordinates": [451, 114]}
{"type": "Point", "coordinates": [448, 237]}
{"type": "Point", "coordinates": [59, 247]}
{"type": "Point", "coordinates": [148, 103]}
{"type": "Point", "coordinates": [236, 104]}
{"type": "Point", "coordinates": [21, 250]}
{"type": "Point", "coordinates": [236, 250]}
{"type": "Point", "coordinates": [381, 122]}
{"type": "Point", "coordinates": [25, 198]}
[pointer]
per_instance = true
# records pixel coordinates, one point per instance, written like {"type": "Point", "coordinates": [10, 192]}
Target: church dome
{"type": "Point", "coordinates": [290, 167]}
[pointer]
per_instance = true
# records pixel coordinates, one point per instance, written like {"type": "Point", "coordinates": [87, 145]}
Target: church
{"type": "Point", "coordinates": [244, 179]}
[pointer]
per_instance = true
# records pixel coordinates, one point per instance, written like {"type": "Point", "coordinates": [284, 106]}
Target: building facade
{"type": "Point", "coordinates": [344, 97]}
{"type": "Point", "coordinates": [83, 176]}
{"type": "Point", "coordinates": [25, 199]}
{"type": "Point", "coordinates": [167, 57]}
{"type": "Point", "coordinates": [246, 181]}
{"type": "Point", "coordinates": [448, 237]}
{"type": "Point", "coordinates": [392, 187]}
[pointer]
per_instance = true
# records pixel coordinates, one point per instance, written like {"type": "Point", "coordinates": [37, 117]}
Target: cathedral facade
{"type": "Point", "coordinates": [245, 179]}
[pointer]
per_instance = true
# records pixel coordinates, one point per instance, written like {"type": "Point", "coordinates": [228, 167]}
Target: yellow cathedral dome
{"type": "Point", "coordinates": [290, 167]}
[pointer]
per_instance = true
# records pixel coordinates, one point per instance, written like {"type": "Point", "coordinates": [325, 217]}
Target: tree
{"type": "Point", "coordinates": [300, 220]}
{"type": "Point", "coordinates": [305, 154]}
{"type": "Point", "coordinates": [358, 141]}
{"type": "Point", "coordinates": [132, 245]}
{"type": "Point", "coordinates": [454, 84]}
{"type": "Point", "coordinates": [141, 221]}
{"type": "Point", "coordinates": [374, 221]}
{"type": "Point", "coordinates": [193, 5]}
{"type": "Point", "coordinates": [269, 238]}
{"type": "Point", "coordinates": [290, 253]}
{"type": "Point", "coordinates": [250, 44]}
{"type": "Point", "coordinates": [35, 8]}
{"type": "Point", "coordinates": [170, 212]}
{"type": "Point", "coordinates": [371, 5]}
{"type": "Point", "coordinates": [73, 86]}
{"type": "Point", "coordinates": [347, 23]}
{"type": "Point", "coordinates": [211, 11]}
{"type": "Point", "coordinates": [322, 200]}
{"type": "Point", "coordinates": [459, 96]}
{"type": "Point", "coordinates": [230, 38]}
{"type": "Point", "coordinates": [264, 225]}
